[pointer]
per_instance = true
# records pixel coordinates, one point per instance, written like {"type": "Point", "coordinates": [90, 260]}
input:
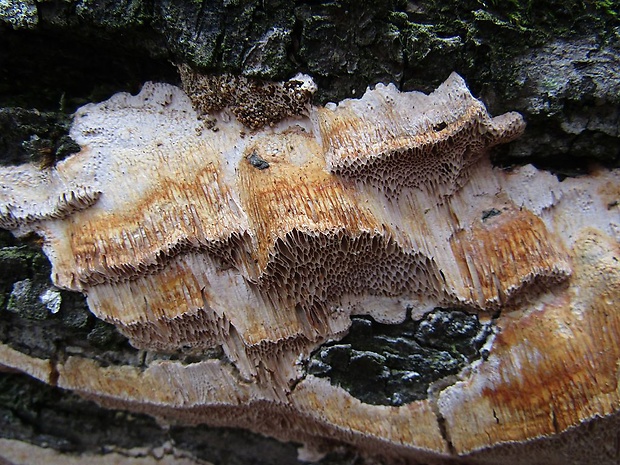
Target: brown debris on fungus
{"type": "Point", "coordinates": [266, 243]}
{"type": "Point", "coordinates": [254, 102]}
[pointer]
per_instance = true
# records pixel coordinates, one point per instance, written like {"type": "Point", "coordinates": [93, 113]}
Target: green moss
{"type": "Point", "coordinates": [21, 263]}
{"type": "Point", "coordinates": [105, 336]}
{"type": "Point", "coordinates": [25, 300]}
{"type": "Point", "coordinates": [608, 7]}
{"type": "Point", "coordinates": [16, 262]}
{"type": "Point", "coordinates": [484, 37]}
{"type": "Point", "coordinates": [542, 19]}
{"type": "Point", "coordinates": [348, 45]}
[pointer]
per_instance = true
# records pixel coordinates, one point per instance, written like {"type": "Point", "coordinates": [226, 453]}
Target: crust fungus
{"type": "Point", "coordinates": [265, 242]}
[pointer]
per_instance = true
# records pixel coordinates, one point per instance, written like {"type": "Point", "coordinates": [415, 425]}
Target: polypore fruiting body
{"type": "Point", "coordinates": [412, 139]}
{"type": "Point", "coordinates": [265, 243]}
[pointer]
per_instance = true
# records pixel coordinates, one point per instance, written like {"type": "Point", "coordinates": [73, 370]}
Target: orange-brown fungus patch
{"type": "Point", "coordinates": [504, 253]}
{"type": "Point", "coordinates": [553, 367]}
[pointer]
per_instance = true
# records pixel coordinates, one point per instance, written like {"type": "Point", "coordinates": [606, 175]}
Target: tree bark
{"type": "Point", "coordinates": [556, 63]}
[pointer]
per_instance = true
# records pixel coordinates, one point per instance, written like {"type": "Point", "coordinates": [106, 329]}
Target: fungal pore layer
{"type": "Point", "coordinates": [192, 224]}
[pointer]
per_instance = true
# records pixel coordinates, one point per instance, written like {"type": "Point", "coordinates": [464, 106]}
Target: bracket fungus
{"type": "Point", "coordinates": [262, 232]}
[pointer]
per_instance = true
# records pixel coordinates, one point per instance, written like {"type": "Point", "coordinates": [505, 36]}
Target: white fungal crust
{"type": "Point", "coordinates": [42, 195]}
{"type": "Point", "coordinates": [192, 244]}
{"type": "Point", "coordinates": [192, 235]}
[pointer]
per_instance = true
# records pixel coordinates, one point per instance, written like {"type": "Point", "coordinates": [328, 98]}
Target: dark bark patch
{"type": "Point", "coordinates": [395, 364]}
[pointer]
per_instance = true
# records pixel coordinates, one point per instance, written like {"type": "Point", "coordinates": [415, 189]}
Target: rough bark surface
{"type": "Point", "coordinates": [554, 62]}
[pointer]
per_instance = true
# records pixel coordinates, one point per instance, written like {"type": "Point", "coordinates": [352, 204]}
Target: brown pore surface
{"type": "Point", "coordinates": [316, 240]}
{"type": "Point", "coordinates": [183, 207]}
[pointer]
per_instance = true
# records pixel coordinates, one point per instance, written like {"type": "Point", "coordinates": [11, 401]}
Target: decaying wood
{"type": "Point", "coordinates": [192, 231]}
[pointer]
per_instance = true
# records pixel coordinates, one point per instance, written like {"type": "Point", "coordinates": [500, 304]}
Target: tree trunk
{"type": "Point", "coordinates": [515, 364]}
